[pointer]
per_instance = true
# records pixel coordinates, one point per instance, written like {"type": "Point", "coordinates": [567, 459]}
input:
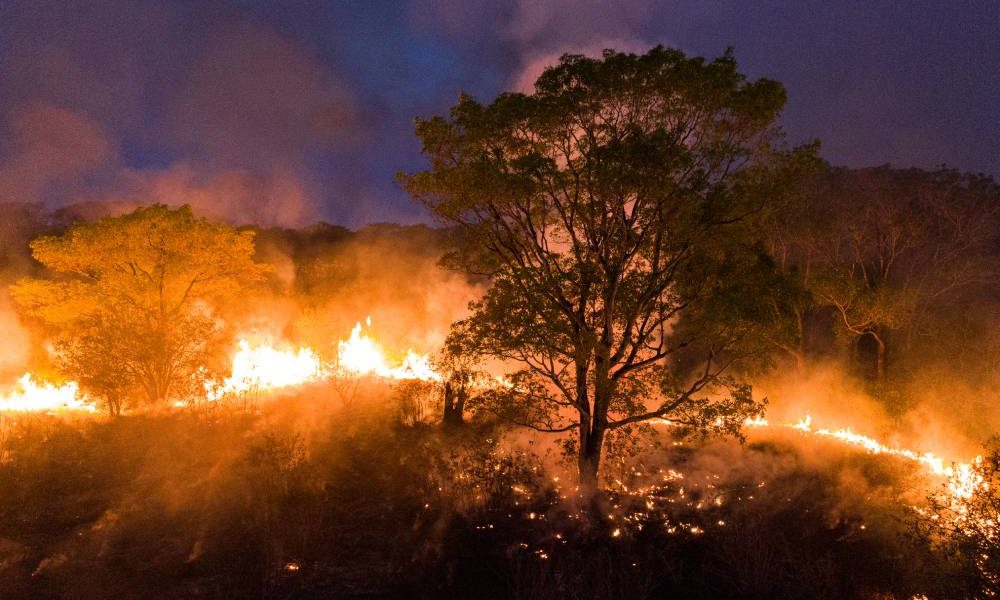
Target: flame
{"type": "Point", "coordinates": [360, 355]}
{"type": "Point", "coordinates": [962, 478]}
{"type": "Point", "coordinates": [963, 481]}
{"type": "Point", "coordinates": [265, 368]}
{"type": "Point", "coordinates": [31, 396]}
{"type": "Point", "coordinates": [259, 368]}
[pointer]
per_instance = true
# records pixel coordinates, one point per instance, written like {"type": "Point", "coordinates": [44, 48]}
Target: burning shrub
{"type": "Point", "coordinates": [966, 531]}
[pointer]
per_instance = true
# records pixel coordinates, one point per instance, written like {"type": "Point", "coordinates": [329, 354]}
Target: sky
{"type": "Point", "coordinates": [286, 113]}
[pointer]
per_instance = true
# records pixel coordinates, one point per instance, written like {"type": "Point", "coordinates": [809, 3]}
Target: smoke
{"type": "Point", "coordinates": [390, 274]}
{"type": "Point", "coordinates": [835, 399]}
{"type": "Point", "coordinates": [17, 341]}
{"type": "Point", "coordinates": [533, 35]}
{"type": "Point", "coordinates": [49, 147]}
{"type": "Point", "coordinates": [544, 31]}
{"type": "Point", "coordinates": [535, 62]}
{"type": "Point", "coordinates": [173, 102]}
{"type": "Point", "coordinates": [240, 196]}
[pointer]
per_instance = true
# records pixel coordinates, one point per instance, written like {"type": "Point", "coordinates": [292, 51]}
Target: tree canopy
{"type": "Point", "coordinates": [132, 301]}
{"type": "Point", "coordinates": [615, 210]}
{"type": "Point", "coordinates": [885, 254]}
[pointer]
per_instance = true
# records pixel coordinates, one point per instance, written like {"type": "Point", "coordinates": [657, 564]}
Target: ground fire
{"type": "Point", "coordinates": [262, 368]}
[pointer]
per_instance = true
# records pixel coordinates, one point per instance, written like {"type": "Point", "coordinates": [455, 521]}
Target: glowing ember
{"type": "Point", "coordinates": [31, 396]}
{"type": "Point", "coordinates": [264, 368]}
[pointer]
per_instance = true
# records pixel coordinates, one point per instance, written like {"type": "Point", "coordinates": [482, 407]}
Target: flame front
{"type": "Point", "coordinates": [265, 368]}
{"type": "Point", "coordinates": [30, 396]}
{"type": "Point", "coordinates": [963, 481]}
{"type": "Point", "coordinates": [360, 355]}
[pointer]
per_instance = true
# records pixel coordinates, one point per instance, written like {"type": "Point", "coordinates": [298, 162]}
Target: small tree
{"type": "Point", "coordinates": [132, 301]}
{"type": "Point", "coordinates": [614, 211]}
{"type": "Point", "coordinates": [459, 371]}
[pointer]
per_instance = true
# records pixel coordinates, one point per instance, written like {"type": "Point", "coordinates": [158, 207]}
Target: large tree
{"type": "Point", "coordinates": [613, 210]}
{"type": "Point", "coordinates": [132, 301]}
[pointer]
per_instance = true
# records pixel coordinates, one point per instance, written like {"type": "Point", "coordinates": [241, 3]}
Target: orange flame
{"type": "Point", "coordinates": [361, 355]}
{"type": "Point", "coordinates": [265, 368]}
{"type": "Point", "coordinates": [30, 396]}
{"type": "Point", "coordinates": [963, 481]}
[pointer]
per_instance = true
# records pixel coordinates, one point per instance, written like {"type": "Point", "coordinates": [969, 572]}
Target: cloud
{"type": "Point", "coordinates": [49, 146]}
{"type": "Point", "coordinates": [255, 98]}
{"type": "Point", "coordinates": [167, 101]}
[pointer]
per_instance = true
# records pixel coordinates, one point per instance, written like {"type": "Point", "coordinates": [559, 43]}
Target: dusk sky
{"type": "Point", "coordinates": [291, 112]}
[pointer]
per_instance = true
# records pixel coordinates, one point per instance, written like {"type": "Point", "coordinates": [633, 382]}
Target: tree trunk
{"type": "Point", "coordinates": [460, 398]}
{"type": "Point", "coordinates": [800, 349]}
{"type": "Point", "coordinates": [879, 359]}
{"type": "Point", "coordinates": [592, 439]}
{"type": "Point", "coordinates": [590, 457]}
{"type": "Point", "coordinates": [872, 352]}
{"type": "Point", "coordinates": [449, 402]}
{"type": "Point", "coordinates": [588, 465]}
{"type": "Point", "coordinates": [454, 403]}
{"type": "Point", "coordinates": [114, 405]}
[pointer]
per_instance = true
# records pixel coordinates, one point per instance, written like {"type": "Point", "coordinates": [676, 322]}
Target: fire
{"type": "Point", "coordinates": [31, 396]}
{"type": "Point", "coordinates": [962, 478]}
{"type": "Point", "coordinates": [265, 368]}
{"type": "Point", "coordinates": [360, 355]}
{"type": "Point", "coordinates": [255, 368]}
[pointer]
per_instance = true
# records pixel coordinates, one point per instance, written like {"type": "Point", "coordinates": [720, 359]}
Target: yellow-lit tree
{"type": "Point", "coordinates": [132, 301]}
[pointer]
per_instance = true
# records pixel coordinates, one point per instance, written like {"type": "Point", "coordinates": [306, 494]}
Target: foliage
{"type": "Point", "coordinates": [883, 249]}
{"type": "Point", "coordinates": [133, 301]}
{"type": "Point", "coordinates": [614, 210]}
